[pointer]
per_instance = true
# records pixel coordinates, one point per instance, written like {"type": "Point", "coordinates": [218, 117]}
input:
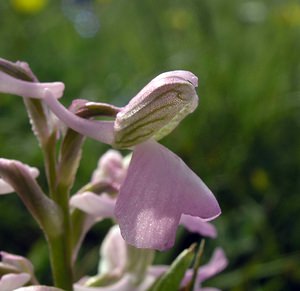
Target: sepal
{"type": "Point", "coordinates": [43, 209]}
{"type": "Point", "coordinates": [11, 263]}
{"type": "Point", "coordinates": [10, 282]}
{"type": "Point", "coordinates": [157, 109]}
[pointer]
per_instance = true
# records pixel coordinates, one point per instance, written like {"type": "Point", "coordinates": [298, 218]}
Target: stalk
{"type": "Point", "coordinates": [60, 246]}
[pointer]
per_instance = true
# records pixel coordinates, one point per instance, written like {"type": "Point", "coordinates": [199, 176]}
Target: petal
{"type": "Point", "coordinates": [39, 288]}
{"type": "Point", "coordinates": [196, 224]}
{"type": "Point", "coordinates": [5, 188]}
{"type": "Point", "coordinates": [187, 279]}
{"type": "Point", "coordinates": [185, 75]}
{"type": "Point", "coordinates": [113, 253]}
{"type": "Point", "coordinates": [11, 85]}
{"type": "Point", "coordinates": [110, 166]}
{"type": "Point", "coordinates": [20, 263]}
{"type": "Point", "coordinates": [157, 109]}
{"type": "Point", "coordinates": [100, 206]}
{"type": "Point", "coordinates": [124, 284]}
{"type": "Point", "coordinates": [99, 130]}
{"type": "Point", "coordinates": [10, 282]}
{"type": "Point", "coordinates": [217, 263]}
{"type": "Point", "coordinates": [159, 187]}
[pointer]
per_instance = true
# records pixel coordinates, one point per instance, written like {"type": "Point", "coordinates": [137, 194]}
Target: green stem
{"type": "Point", "coordinates": [60, 263]}
{"type": "Point", "coordinates": [61, 247]}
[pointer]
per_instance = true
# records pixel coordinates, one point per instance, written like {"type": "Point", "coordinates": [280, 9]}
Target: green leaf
{"type": "Point", "coordinates": [171, 280]}
{"type": "Point", "coordinates": [196, 265]}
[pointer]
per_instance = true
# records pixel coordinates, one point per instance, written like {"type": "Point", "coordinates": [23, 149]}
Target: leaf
{"type": "Point", "coordinates": [196, 265]}
{"type": "Point", "coordinates": [171, 280]}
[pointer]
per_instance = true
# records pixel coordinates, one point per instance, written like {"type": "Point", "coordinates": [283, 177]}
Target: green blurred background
{"type": "Point", "coordinates": [243, 140]}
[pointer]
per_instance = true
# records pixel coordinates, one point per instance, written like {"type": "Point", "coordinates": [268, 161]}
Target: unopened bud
{"type": "Point", "coordinates": [157, 109]}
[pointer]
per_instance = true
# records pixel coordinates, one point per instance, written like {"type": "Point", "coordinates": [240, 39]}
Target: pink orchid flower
{"type": "Point", "coordinates": [159, 186]}
{"type": "Point", "coordinates": [11, 282]}
{"type": "Point", "coordinates": [116, 256]}
{"type": "Point", "coordinates": [112, 168]}
{"type": "Point", "coordinates": [18, 263]}
{"type": "Point", "coordinates": [124, 266]}
{"type": "Point", "coordinates": [17, 270]}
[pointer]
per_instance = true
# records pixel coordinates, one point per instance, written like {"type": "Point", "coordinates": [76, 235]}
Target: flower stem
{"type": "Point", "coordinates": [60, 246]}
{"type": "Point", "coordinates": [61, 268]}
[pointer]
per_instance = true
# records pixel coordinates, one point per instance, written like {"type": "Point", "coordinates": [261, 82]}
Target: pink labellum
{"type": "Point", "coordinates": [157, 190]}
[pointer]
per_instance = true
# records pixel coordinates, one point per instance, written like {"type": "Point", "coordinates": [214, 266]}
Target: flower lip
{"type": "Point", "coordinates": [149, 216]}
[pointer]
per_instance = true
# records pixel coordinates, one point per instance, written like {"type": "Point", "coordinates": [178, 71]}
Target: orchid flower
{"type": "Point", "coordinates": [11, 282]}
{"type": "Point", "coordinates": [121, 267]}
{"type": "Point", "coordinates": [6, 188]}
{"type": "Point", "coordinates": [97, 198]}
{"type": "Point", "coordinates": [17, 271]}
{"type": "Point", "coordinates": [110, 172]}
{"type": "Point", "coordinates": [112, 169]}
{"type": "Point", "coordinates": [115, 273]}
{"type": "Point", "coordinates": [159, 186]}
{"type": "Point", "coordinates": [17, 264]}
